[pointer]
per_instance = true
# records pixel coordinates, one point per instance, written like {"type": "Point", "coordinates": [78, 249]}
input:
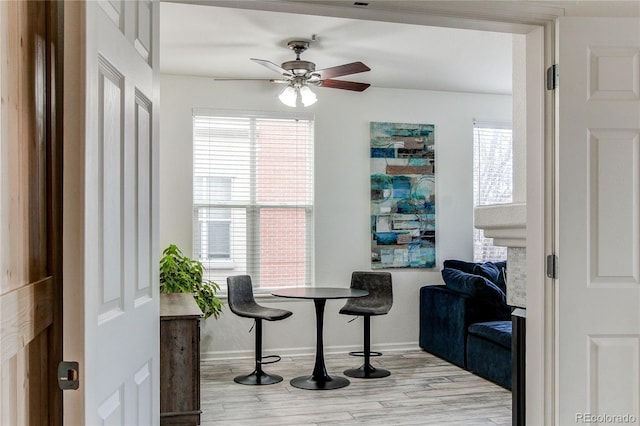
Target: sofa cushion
{"type": "Point", "coordinates": [474, 286]}
{"type": "Point", "coordinates": [489, 360]}
{"type": "Point", "coordinates": [493, 271]}
{"type": "Point", "coordinates": [495, 331]}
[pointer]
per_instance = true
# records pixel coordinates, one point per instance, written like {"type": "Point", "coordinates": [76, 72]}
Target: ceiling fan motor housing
{"type": "Point", "coordinates": [299, 68]}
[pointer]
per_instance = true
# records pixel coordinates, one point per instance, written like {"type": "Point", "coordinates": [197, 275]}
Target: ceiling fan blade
{"type": "Point", "coordinates": [346, 85]}
{"type": "Point", "coordinates": [272, 67]}
{"type": "Point", "coordinates": [346, 69]}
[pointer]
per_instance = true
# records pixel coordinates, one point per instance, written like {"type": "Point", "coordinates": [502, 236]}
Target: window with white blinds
{"type": "Point", "coordinates": [492, 178]}
{"type": "Point", "coordinates": [253, 196]}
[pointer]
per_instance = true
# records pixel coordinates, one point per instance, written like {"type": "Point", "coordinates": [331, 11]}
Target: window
{"type": "Point", "coordinates": [492, 179]}
{"type": "Point", "coordinates": [253, 196]}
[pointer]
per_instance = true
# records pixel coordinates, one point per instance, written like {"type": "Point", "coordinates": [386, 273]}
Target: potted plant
{"type": "Point", "coordinates": [181, 274]}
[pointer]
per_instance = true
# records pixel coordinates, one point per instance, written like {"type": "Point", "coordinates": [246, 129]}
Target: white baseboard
{"type": "Point", "coordinates": [284, 352]}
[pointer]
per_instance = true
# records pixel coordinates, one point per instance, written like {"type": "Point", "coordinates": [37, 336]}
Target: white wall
{"type": "Point", "coordinates": [341, 200]}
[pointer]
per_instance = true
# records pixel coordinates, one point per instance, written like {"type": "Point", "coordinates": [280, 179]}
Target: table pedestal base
{"type": "Point", "coordinates": [319, 379]}
{"type": "Point", "coordinates": [311, 383]}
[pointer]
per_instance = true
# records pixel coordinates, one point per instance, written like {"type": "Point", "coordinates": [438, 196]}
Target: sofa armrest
{"type": "Point", "coordinates": [445, 317]}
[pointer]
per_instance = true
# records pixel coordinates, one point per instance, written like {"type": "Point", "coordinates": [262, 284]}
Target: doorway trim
{"type": "Point", "coordinates": [537, 22]}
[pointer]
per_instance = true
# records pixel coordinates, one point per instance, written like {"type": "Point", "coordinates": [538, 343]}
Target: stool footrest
{"type": "Point", "coordinates": [269, 359]}
{"type": "Point", "coordinates": [361, 353]}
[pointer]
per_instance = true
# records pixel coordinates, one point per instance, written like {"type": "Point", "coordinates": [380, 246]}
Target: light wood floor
{"type": "Point", "coordinates": [422, 390]}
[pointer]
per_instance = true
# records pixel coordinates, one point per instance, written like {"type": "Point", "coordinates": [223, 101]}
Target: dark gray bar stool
{"type": "Point", "coordinates": [242, 303]}
{"type": "Point", "coordinates": [378, 302]}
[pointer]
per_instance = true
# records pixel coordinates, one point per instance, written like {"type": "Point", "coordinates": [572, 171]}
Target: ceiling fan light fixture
{"type": "Point", "coordinates": [288, 96]}
{"type": "Point", "coordinates": [308, 97]}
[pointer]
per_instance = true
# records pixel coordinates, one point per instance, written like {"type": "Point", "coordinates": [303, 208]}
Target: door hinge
{"type": "Point", "coordinates": [552, 77]}
{"type": "Point", "coordinates": [552, 266]}
{"type": "Point", "coordinates": [68, 375]}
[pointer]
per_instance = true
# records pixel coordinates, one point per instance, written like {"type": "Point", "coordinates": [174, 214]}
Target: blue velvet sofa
{"type": "Point", "coordinates": [467, 321]}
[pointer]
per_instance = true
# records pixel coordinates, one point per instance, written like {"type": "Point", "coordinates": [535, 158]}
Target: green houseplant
{"type": "Point", "coordinates": [181, 274]}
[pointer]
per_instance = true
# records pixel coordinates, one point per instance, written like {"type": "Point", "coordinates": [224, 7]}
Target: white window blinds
{"type": "Point", "coordinates": [253, 196]}
{"type": "Point", "coordinates": [492, 178]}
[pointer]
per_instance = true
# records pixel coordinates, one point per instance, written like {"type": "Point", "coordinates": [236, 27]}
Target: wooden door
{"type": "Point", "coordinates": [111, 296]}
{"type": "Point", "coordinates": [30, 245]}
{"type": "Point", "coordinates": [599, 220]}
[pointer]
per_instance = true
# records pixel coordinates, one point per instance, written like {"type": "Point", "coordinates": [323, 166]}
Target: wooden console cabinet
{"type": "Point", "coordinates": [179, 360]}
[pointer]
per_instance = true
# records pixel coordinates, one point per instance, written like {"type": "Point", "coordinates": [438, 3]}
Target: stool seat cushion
{"type": "Point", "coordinates": [365, 310]}
{"type": "Point", "coordinates": [253, 310]}
{"type": "Point", "coordinates": [495, 331]}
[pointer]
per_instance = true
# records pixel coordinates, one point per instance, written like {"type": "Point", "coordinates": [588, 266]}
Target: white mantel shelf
{"type": "Point", "coordinates": [505, 223]}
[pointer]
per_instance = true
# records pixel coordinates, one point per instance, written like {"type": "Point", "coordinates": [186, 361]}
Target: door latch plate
{"type": "Point", "coordinates": [68, 375]}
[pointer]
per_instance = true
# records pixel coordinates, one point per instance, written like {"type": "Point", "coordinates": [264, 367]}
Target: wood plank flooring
{"type": "Point", "coordinates": [422, 390]}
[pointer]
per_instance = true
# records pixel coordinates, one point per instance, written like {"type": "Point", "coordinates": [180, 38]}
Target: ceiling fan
{"type": "Point", "coordinates": [300, 74]}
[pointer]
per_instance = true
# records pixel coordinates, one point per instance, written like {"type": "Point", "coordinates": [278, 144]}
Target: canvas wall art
{"type": "Point", "coordinates": [403, 210]}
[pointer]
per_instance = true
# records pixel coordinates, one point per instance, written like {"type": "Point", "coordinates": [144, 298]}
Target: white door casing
{"type": "Point", "coordinates": [111, 301]}
{"type": "Point", "coordinates": [598, 340]}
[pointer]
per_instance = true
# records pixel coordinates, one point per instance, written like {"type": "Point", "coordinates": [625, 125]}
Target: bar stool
{"type": "Point", "coordinates": [243, 304]}
{"type": "Point", "coordinates": [378, 302]}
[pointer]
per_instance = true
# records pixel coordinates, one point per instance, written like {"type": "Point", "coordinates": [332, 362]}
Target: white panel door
{"type": "Point", "coordinates": [117, 342]}
{"type": "Point", "coordinates": [599, 221]}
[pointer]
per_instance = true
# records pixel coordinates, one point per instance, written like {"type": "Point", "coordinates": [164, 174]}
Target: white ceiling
{"type": "Point", "coordinates": [218, 42]}
{"type": "Point", "coordinates": [216, 38]}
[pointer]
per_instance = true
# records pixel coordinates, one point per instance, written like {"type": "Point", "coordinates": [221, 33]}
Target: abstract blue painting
{"type": "Point", "coordinates": [403, 211]}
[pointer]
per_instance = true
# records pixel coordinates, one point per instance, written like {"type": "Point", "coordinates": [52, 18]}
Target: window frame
{"type": "Point", "coordinates": [252, 206]}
